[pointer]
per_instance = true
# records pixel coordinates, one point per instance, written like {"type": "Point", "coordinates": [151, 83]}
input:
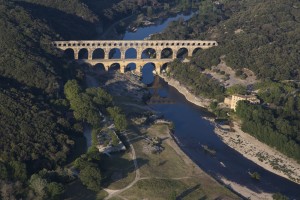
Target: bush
{"type": "Point", "coordinates": [239, 72]}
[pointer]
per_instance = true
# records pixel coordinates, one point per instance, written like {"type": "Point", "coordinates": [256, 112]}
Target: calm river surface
{"type": "Point", "coordinates": [192, 131]}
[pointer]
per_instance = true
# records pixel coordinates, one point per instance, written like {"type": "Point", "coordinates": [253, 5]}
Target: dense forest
{"type": "Point", "coordinates": [197, 82]}
{"type": "Point", "coordinates": [39, 134]}
{"type": "Point", "coordinates": [250, 34]}
{"type": "Point", "coordinates": [35, 133]}
{"type": "Point", "coordinates": [275, 127]}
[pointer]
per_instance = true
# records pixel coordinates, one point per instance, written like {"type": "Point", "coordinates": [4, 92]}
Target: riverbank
{"type": "Point", "coordinates": [245, 144]}
{"type": "Point", "coordinates": [199, 101]}
{"type": "Point", "coordinates": [155, 175]}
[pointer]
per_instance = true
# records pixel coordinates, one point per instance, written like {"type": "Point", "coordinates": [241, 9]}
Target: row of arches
{"type": "Point", "coordinates": [129, 67]}
{"type": "Point", "coordinates": [130, 53]}
{"type": "Point", "coordinates": [136, 44]}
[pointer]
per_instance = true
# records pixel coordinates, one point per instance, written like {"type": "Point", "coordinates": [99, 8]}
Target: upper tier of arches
{"type": "Point", "coordinates": [131, 53]}
{"type": "Point", "coordinates": [135, 43]}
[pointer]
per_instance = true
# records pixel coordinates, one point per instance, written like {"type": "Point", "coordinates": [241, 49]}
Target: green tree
{"type": "Point", "coordinates": [119, 118]}
{"type": "Point", "coordinates": [54, 190]}
{"type": "Point", "coordinates": [72, 89]}
{"type": "Point", "coordinates": [166, 6]}
{"type": "Point", "coordinates": [149, 11]}
{"type": "Point", "coordinates": [100, 97]}
{"type": "Point", "coordinates": [236, 89]}
{"type": "Point", "coordinates": [3, 171]}
{"type": "Point", "coordinates": [38, 185]}
{"type": "Point", "coordinates": [213, 105]}
{"type": "Point", "coordinates": [278, 196]}
{"type": "Point", "coordinates": [91, 177]}
{"type": "Point", "coordinates": [19, 171]}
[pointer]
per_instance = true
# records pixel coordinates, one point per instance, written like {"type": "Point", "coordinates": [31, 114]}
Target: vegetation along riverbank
{"type": "Point", "coordinates": [275, 121]}
{"type": "Point", "coordinates": [45, 101]}
{"type": "Point", "coordinates": [41, 134]}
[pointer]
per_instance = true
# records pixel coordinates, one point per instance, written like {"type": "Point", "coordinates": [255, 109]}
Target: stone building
{"type": "Point", "coordinates": [233, 100]}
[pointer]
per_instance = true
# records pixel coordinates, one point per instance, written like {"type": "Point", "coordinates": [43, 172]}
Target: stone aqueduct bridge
{"type": "Point", "coordinates": [107, 47]}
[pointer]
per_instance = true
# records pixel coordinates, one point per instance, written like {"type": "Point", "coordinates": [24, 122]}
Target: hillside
{"type": "Point", "coordinates": [38, 135]}
{"type": "Point", "coordinates": [264, 37]}
{"type": "Point", "coordinates": [252, 34]}
{"type": "Point", "coordinates": [34, 131]}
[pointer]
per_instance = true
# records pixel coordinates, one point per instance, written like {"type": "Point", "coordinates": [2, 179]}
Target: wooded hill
{"type": "Point", "coordinates": [36, 126]}
{"type": "Point", "coordinates": [263, 36]}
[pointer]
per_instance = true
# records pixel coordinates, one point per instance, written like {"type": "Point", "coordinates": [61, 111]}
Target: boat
{"type": "Point", "coordinates": [223, 165]}
{"type": "Point", "coordinates": [208, 150]}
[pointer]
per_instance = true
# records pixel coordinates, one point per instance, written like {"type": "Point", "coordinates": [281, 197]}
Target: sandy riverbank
{"type": "Point", "coordinates": [248, 146]}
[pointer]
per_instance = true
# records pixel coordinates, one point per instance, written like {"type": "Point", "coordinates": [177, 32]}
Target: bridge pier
{"type": "Point", "coordinates": [190, 52]}
{"type": "Point", "coordinates": [122, 69]}
{"type": "Point", "coordinates": [106, 54]}
{"type": "Point", "coordinates": [90, 54]}
{"type": "Point", "coordinates": [139, 53]}
{"type": "Point", "coordinates": [76, 54]}
{"type": "Point", "coordinates": [158, 54]}
{"type": "Point", "coordinates": [138, 69]}
{"type": "Point", "coordinates": [123, 53]}
{"type": "Point", "coordinates": [158, 68]}
{"type": "Point", "coordinates": [174, 53]}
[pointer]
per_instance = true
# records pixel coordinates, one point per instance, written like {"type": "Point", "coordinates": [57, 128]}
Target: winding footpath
{"type": "Point", "coordinates": [113, 193]}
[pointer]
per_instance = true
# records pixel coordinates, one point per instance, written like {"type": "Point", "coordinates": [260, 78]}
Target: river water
{"type": "Point", "coordinates": [192, 131]}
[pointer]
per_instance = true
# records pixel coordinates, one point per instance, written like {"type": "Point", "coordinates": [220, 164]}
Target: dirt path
{"type": "Point", "coordinates": [113, 193]}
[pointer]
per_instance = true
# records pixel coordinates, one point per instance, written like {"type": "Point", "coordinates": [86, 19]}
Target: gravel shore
{"type": "Point", "coordinates": [248, 146]}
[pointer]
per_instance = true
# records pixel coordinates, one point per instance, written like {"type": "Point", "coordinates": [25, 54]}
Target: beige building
{"type": "Point", "coordinates": [232, 101]}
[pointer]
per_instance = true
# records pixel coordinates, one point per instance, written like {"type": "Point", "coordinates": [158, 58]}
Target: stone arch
{"type": "Point", "coordinates": [83, 54]}
{"type": "Point", "coordinates": [98, 54]}
{"type": "Point", "coordinates": [149, 53]}
{"type": "Point", "coordinates": [148, 64]}
{"type": "Point", "coordinates": [69, 53]}
{"type": "Point", "coordinates": [164, 68]}
{"type": "Point", "coordinates": [182, 53]}
{"type": "Point", "coordinates": [166, 53]}
{"type": "Point", "coordinates": [115, 53]}
{"type": "Point", "coordinates": [196, 50]}
{"type": "Point", "coordinates": [130, 53]}
{"type": "Point", "coordinates": [99, 67]}
{"type": "Point", "coordinates": [114, 67]}
{"type": "Point", "coordinates": [147, 72]}
{"type": "Point", "coordinates": [130, 67]}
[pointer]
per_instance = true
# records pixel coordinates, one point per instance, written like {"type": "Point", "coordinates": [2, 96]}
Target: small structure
{"type": "Point", "coordinates": [108, 141]}
{"type": "Point", "coordinates": [232, 101]}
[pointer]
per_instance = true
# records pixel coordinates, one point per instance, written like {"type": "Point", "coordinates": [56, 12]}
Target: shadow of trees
{"type": "Point", "coordinates": [116, 168]}
{"type": "Point", "coordinates": [189, 191]}
{"type": "Point", "coordinates": [67, 25]}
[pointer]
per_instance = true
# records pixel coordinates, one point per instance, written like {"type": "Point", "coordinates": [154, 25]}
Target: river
{"type": "Point", "coordinates": [192, 131]}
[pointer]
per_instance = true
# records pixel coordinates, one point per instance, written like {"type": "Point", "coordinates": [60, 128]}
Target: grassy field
{"type": "Point", "coordinates": [165, 164]}
{"type": "Point", "coordinates": [169, 176]}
